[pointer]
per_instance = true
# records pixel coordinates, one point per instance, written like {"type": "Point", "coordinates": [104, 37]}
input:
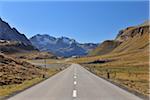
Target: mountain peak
{"type": "Point", "coordinates": [62, 46]}
{"type": "Point", "coordinates": [12, 34]}
{"type": "Point", "coordinates": [67, 40]}
{"type": "Point", "coordinates": [15, 41]}
{"type": "Point", "coordinates": [1, 19]}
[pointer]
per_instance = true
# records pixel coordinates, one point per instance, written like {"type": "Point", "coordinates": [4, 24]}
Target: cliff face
{"type": "Point", "coordinates": [131, 32]}
{"type": "Point", "coordinates": [129, 39]}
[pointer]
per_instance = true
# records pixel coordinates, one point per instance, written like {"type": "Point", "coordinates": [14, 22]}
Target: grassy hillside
{"type": "Point", "coordinates": [134, 44]}
{"type": "Point", "coordinates": [106, 47]}
{"type": "Point", "coordinates": [18, 74]}
{"type": "Point", "coordinates": [33, 55]}
{"type": "Point", "coordinates": [129, 69]}
{"type": "Point", "coordinates": [127, 63]}
{"type": "Point", "coordinates": [14, 71]}
{"type": "Point", "coordinates": [129, 39]}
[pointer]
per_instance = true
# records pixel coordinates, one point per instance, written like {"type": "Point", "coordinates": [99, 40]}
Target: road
{"type": "Point", "coordinates": [74, 83]}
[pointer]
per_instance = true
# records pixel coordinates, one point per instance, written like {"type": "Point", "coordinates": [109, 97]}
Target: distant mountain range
{"type": "Point", "coordinates": [13, 41]}
{"type": "Point", "coordinates": [62, 46]}
{"type": "Point", "coordinates": [128, 39]}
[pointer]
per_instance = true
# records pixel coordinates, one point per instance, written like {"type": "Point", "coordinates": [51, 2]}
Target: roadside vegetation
{"type": "Point", "coordinates": [7, 90]}
{"type": "Point", "coordinates": [130, 70]}
{"type": "Point", "coordinates": [18, 75]}
{"type": "Point", "coordinates": [124, 60]}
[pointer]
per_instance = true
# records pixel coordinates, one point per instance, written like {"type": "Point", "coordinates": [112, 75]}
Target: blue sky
{"type": "Point", "coordinates": [85, 21]}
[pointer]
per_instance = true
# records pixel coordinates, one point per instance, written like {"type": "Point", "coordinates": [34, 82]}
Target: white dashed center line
{"type": "Point", "coordinates": [74, 93]}
{"type": "Point", "coordinates": [75, 76]}
{"type": "Point", "coordinates": [75, 82]}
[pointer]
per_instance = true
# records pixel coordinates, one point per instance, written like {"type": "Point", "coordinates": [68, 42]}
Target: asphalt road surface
{"type": "Point", "coordinates": [75, 83]}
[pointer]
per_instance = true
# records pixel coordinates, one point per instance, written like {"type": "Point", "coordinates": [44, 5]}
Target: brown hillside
{"type": "Point", "coordinates": [14, 71]}
{"type": "Point", "coordinates": [127, 62]}
{"type": "Point", "coordinates": [130, 39]}
{"type": "Point", "coordinates": [33, 55]}
{"type": "Point", "coordinates": [106, 47]}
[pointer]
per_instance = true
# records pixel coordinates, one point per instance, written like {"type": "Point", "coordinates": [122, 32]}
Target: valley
{"type": "Point", "coordinates": [120, 64]}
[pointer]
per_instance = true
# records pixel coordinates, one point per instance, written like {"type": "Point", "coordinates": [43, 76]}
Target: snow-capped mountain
{"type": "Point", "coordinates": [62, 46]}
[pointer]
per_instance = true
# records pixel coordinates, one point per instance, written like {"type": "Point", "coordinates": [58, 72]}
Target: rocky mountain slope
{"type": "Point", "coordinates": [62, 46]}
{"type": "Point", "coordinates": [13, 41]}
{"type": "Point", "coordinates": [10, 47]}
{"type": "Point", "coordinates": [129, 39]}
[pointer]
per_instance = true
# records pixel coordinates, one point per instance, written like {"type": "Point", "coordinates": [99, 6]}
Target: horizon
{"type": "Point", "coordinates": [83, 21]}
{"type": "Point", "coordinates": [80, 49]}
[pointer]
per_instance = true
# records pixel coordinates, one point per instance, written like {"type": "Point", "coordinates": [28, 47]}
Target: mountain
{"type": "Point", "coordinates": [13, 41]}
{"type": "Point", "coordinates": [8, 33]}
{"type": "Point", "coordinates": [130, 39]}
{"type": "Point", "coordinates": [62, 46]}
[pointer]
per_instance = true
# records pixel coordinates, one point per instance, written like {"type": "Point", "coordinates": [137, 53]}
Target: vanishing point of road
{"type": "Point", "coordinates": [74, 83]}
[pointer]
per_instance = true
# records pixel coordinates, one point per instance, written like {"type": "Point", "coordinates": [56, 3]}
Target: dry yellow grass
{"type": "Point", "coordinates": [129, 61]}
{"type": "Point", "coordinates": [42, 61]}
{"type": "Point", "coordinates": [135, 43]}
{"type": "Point", "coordinates": [133, 77]}
{"type": "Point", "coordinates": [7, 90]}
{"type": "Point", "coordinates": [130, 69]}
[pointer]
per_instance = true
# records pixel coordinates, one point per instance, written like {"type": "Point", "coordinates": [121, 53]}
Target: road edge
{"type": "Point", "coordinates": [121, 86]}
{"type": "Point", "coordinates": [19, 91]}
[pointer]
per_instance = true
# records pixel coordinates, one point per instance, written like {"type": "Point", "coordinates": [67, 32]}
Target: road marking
{"type": "Point", "coordinates": [74, 93]}
{"type": "Point", "coordinates": [75, 82]}
{"type": "Point", "coordinates": [75, 76]}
